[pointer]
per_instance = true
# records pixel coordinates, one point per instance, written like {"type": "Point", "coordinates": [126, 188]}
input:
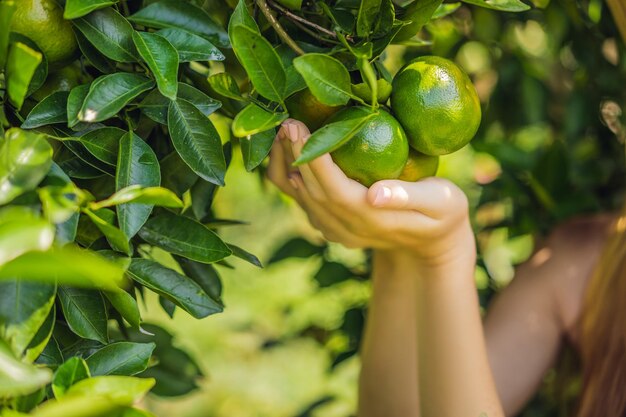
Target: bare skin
{"type": "Point", "coordinates": [426, 351]}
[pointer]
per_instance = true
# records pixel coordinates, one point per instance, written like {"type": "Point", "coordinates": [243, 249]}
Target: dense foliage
{"type": "Point", "coordinates": [107, 182]}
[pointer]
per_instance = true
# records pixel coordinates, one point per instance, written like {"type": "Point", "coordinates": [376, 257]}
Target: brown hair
{"type": "Point", "coordinates": [603, 327]}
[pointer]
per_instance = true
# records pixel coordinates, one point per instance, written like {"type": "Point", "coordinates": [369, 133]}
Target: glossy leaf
{"type": "Point", "coordinates": [88, 405]}
{"type": "Point", "coordinates": [162, 59]}
{"type": "Point", "coordinates": [18, 378]}
{"type": "Point", "coordinates": [95, 57]}
{"type": "Point", "coordinates": [75, 102]}
{"type": "Point", "coordinates": [137, 165]}
{"type": "Point", "coordinates": [23, 234]}
{"type": "Point", "coordinates": [191, 47]}
{"type": "Point", "coordinates": [330, 137]}
{"type": "Point", "coordinates": [182, 15]}
{"type": "Point", "coordinates": [224, 84]}
{"type": "Point", "coordinates": [501, 5]}
{"type": "Point", "coordinates": [72, 371]}
{"type": "Point", "coordinates": [254, 119]}
{"type": "Point", "coordinates": [122, 390]}
{"type": "Point", "coordinates": [79, 8]}
{"type": "Point", "coordinates": [155, 106]}
{"type": "Point", "coordinates": [260, 61]}
{"type": "Point", "coordinates": [245, 255]}
{"type": "Point", "coordinates": [126, 305]}
{"type": "Point", "coordinates": [110, 93]}
{"type": "Point", "coordinates": [327, 78]}
{"type": "Point", "coordinates": [177, 288]}
{"type": "Point", "coordinates": [22, 62]}
{"type": "Point", "coordinates": [121, 358]}
{"type": "Point", "coordinates": [241, 17]}
{"type": "Point", "coordinates": [255, 148]}
{"type": "Point", "coordinates": [50, 110]}
{"type": "Point", "coordinates": [418, 13]}
{"type": "Point", "coordinates": [204, 275]}
{"type": "Point", "coordinates": [369, 12]}
{"type": "Point", "coordinates": [24, 307]}
{"type": "Point", "coordinates": [137, 194]}
{"type": "Point", "coordinates": [185, 237]}
{"type": "Point", "coordinates": [68, 265]}
{"type": "Point", "coordinates": [197, 141]}
{"type": "Point", "coordinates": [41, 339]}
{"type": "Point", "coordinates": [7, 9]}
{"type": "Point", "coordinates": [25, 159]}
{"type": "Point", "coordinates": [110, 33]}
{"type": "Point", "coordinates": [103, 143]}
{"type": "Point", "coordinates": [115, 236]}
{"type": "Point", "coordinates": [85, 313]}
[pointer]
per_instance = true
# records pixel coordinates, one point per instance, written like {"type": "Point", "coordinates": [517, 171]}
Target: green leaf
{"type": "Point", "coordinates": [67, 265]}
{"type": "Point", "coordinates": [291, 4]}
{"type": "Point", "coordinates": [41, 72]}
{"type": "Point", "coordinates": [419, 12]}
{"type": "Point", "coordinates": [41, 339]}
{"type": "Point", "coordinates": [21, 235]}
{"type": "Point", "coordinates": [22, 62]}
{"type": "Point", "coordinates": [7, 8]}
{"type": "Point", "coordinates": [121, 358]}
{"type": "Point", "coordinates": [137, 194]}
{"type": "Point", "coordinates": [78, 406]}
{"type": "Point", "coordinates": [442, 11]}
{"type": "Point", "coordinates": [295, 82]}
{"type": "Point", "coordinates": [126, 305]}
{"type": "Point", "coordinates": [103, 220]}
{"type": "Point", "coordinates": [79, 8]}
{"type": "Point", "coordinates": [25, 159]}
{"type": "Point", "coordinates": [245, 255]}
{"type": "Point", "coordinates": [225, 85]}
{"type": "Point", "coordinates": [501, 5]}
{"type": "Point", "coordinates": [96, 58]}
{"type": "Point", "coordinates": [182, 15]}
{"type": "Point", "coordinates": [110, 93]}
{"type": "Point", "coordinates": [327, 78]}
{"type": "Point", "coordinates": [241, 17]}
{"type": "Point", "coordinates": [368, 13]}
{"type": "Point", "coordinates": [260, 61]}
{"type": "Point", "coordinates": [72, 371]}
{"type": "Point", "coordinates": [137, 165]}
{"type": "Point", "coordinates": [18, 378]}
{"type": "Point", "coordinates": [122, 390]}
{"type": "Point", "coordinates": [110, 33]}
{"type": "Point", "coordinates": [104, 143]}
{"type": "Point", "coordinates": [175, 287]}
{"type": "Point", "coordinates": [85, 313]}
{"type": "Point", "coordinates": [204, 275]}
{"type": "Point", "coordinates": [176, 175]}
{"type": "Point", "coordinates": [74, 103]}
{"type": "Point", "coordinates": [255, 148]}
{"type": "Point", "coordinates": [50, 110]}
{"type": "Point", "coordinates": [254, 119]}
{"type": "Point", "coordinates": [197, 141]}
{"type": "Point", "coordinates": [162, 59]}
{"type": "Point", "coordinates": [155, 106]}
{"type": "Point", "coordinates": [60, 202]}
{"type": "Point", "coordinates": [185, 237]}
{"type": "Point", "coordinates": [24, 307]}
{"type": "Point", "coordinates": [330, 137]}
{"type": "Point", "coordinates": [191, 47]}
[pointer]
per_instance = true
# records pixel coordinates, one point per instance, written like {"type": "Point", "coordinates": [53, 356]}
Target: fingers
{"type": "Point", "coordinates": [279, 170]}
{"type": "Point", "coordinates": [434, 197]}
{"type": "Point", "coordinates": [330, 179]}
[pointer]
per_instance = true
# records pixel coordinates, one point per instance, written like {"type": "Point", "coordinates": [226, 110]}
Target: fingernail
{"type": "Point", "coordinates": [383, 195]}
{"type": "Point", "coordinates": [293, 133]}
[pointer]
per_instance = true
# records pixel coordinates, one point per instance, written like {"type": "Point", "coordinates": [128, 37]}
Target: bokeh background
{"type": "Point", "coordinates": [286, 343]}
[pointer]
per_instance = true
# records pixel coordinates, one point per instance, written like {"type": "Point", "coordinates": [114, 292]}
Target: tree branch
{"type": "Point", "coordinates": [302, 20]}
{"type": "Point", "coordinates": [278, 28]}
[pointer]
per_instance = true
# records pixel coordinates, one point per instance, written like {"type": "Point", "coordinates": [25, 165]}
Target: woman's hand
{"type": "Point", "coordinates": [428, 219]}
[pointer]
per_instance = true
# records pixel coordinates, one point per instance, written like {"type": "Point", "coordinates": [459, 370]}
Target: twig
{"type": "Point", "coordinates": [312, 33]}
{"type": "Point", "coordinates": [300, 19]}
{"type": "Point", "coordinates": [278, 28]}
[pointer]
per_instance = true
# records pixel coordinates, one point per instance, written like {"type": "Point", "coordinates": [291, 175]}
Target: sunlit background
{"type": "Point", "coordinates": [282, 347]}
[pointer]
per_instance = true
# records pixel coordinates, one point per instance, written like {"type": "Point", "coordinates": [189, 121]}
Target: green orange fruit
{"type": "Point", "coordinates": [305, 107]}
{"type": "Point", "coordinates": [379, 150]}
{"type": "Point", "coordinates": [42, 22]}
{"type": "Point", "coordinates": [419, 166]}
{"type": "Point", "coordinates": [436, 103]}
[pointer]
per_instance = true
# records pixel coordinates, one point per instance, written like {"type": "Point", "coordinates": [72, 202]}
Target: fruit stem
{"type": "Point", "coordinates": [265, 9]}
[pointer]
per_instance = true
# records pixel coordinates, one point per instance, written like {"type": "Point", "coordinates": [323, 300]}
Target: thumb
{"type": "Point", "coordinates": [431, 196]}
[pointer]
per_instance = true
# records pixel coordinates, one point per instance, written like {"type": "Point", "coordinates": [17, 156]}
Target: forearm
{"type": "Point", "coordinates": [388, 382]}
{"type": "Point", "coordinates": [454, 374]}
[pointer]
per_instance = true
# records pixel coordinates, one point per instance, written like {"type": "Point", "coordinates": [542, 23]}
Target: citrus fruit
{"type": "Point", "coordinates": [419, 166]}
{"type": "Point", "coordinates": [42, 22]}
{"type": "Point", "coordinates": [304, 106]}
{"type": "Point", "coordinates": [63, 79]}
{"type": "Point", "coordinates": [362, 90]}
{"type": "Point", "coordinates": [378, 151]}
{"type": "Point", "coordinates": [437, 105]}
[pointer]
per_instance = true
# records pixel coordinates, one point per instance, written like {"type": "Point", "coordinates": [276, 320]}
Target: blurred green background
{"type": "Point", "coordinates": [284, 347]}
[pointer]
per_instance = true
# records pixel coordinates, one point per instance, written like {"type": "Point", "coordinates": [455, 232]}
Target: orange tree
{"type": "Point", "coordinates": [112, 150]}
